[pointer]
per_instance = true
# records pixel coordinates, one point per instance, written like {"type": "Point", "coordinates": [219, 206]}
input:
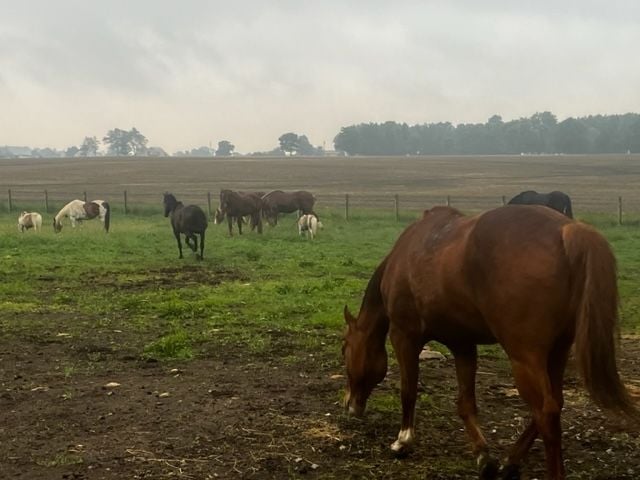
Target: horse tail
{"type": "Point", "coordinates": [595, 295]}
{"type": "Point", "coordinates": [567, 209]}
{"type": "Point", "coordinates": [107, 215]}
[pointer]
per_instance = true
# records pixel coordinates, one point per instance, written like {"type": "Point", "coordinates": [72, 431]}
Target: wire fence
{"type": "Point", "coordinates": [131, 201]}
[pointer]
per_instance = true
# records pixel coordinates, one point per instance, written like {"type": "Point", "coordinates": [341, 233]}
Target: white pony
{"type": "Point", "coordinates": [77, 210]}
{"type": "Point", "coordinates": [309, 223]}
{"type": "Point", "coordinates": [28, 220]}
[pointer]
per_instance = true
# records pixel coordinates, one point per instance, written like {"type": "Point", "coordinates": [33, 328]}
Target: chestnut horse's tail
{"type": "Point", "coordinates": [595, 294]}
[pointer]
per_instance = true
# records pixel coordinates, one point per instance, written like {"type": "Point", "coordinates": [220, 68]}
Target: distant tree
{"type": "Point", "coordinates": [89, 147]}
{"type": "Point", "coordinates": [289, 143]}
{"type": "Point", "coordinates": [72, 151]}
{"type": "Point", "coordinates": [137, 141]}
{"type": "Point", "coordinates": [202, 152]}
{"type": "Point", "coordinates": [225, 148]}
{"type": "Point", "coordinates": [121, 142]}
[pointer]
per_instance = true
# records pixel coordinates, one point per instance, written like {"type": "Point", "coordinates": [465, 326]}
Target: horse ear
{"type": "Point", "coordinates": [350, 319]}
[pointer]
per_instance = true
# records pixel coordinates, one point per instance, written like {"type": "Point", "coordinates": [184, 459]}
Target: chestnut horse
{"type": "Point", "coordinates": [525, 277]}
{"type": "Point", "coordinates": [236, 205]}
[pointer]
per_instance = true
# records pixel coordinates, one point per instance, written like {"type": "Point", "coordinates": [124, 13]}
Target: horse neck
{"type": "Point", "coordinates": [176, 208]}
{"type": "Point", "coordinates": [64, 211]}
{"type": "Point", "coordinates": [372, 319]}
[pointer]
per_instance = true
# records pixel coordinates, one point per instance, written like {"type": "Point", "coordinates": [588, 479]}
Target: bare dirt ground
{"type": "Point", "coordinates": [233, 415]}
{"type": "Point", "coordinates": [593, 181]}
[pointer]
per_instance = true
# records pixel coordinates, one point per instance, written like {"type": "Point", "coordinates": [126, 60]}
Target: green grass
{"type": "Point", "coordinates": [268, 293]}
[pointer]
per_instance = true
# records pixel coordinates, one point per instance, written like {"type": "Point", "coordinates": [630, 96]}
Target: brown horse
{"type": "Point", "coordinates": [190, 221]}
{"type": "Point", "coordinates": [277, 201]}
{"type": "Point", "coordinates": [236, 205]}
{"type": "Point", "coordinates": [533, 283]}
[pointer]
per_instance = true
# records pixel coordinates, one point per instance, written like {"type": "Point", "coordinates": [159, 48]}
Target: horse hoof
{"type": "Point", "coordinates": [510, 472]}
{"type": "Point", "coordinates": [489, 469]}
{"type": "Point", "coordinates": [400, 450]}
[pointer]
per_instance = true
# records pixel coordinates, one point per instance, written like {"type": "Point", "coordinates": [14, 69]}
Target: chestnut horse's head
{"type": "Point", "coordinates": [366, 361]}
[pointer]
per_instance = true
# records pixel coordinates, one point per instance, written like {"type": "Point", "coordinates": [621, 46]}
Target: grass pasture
{"type": "Point", "coordinates": [231, 368]}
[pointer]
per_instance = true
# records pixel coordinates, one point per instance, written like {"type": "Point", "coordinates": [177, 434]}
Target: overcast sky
{"type": "Point", "coordinates": [189, 72]}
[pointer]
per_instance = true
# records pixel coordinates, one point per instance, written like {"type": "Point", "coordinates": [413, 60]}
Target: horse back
{"type": "Point", "coordinates": [190, 219]}
{"type": "Point", "coordinates": [456, 278]}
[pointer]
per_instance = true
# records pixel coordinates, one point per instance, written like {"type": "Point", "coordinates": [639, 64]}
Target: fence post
{"type": "Point", "coordinates": [619, 210]}
{"type": "Point", "coordinates": [46, 201]}
{"type": "Point", "coordinates": [346, 206]}
{"type": "Point", "coordinates": [396, 201]}
{"type": "Point", "coordinates": [126, 207]}
{"type": "Point", "coordinates": [504, 200]}
{"type": "Point", "coordinates": [209, 202]}
{"type": "Point", "coordinates": [448, 201]}
{"type": "Point", "coordinates": [10, 202]}
{"type": "Point", "coordinates": [85, 196]}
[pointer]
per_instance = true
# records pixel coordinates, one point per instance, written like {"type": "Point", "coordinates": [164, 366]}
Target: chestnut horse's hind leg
{"type": "Point", "coordinates": [555, 369]}
{"type": "Point", "coordinates": [407, 349]}
{"type": "Point", "coordinates": [534, 383]}
{"type": "Point", "coordinates": [466, 358]}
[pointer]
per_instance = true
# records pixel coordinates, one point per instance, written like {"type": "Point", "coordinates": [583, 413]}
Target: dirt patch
{"type": "Point", "coordinates": [234, 415]}
{"type": "Point", "coordinates": [168, 277]}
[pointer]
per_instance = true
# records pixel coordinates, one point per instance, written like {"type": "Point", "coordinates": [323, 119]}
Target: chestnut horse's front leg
{"type": "Point", "coordinates": [466, 358]}
{"type": "Point", "coordinates": [407, 349]}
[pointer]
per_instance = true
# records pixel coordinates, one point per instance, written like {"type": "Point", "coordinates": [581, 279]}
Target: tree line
{"type": "Point", "coordinates": [540, 133]}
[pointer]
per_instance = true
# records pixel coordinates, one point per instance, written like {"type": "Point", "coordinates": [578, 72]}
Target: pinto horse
{"type": "Point", "coordinates": [236, 205]}
{"type": "Point", "coordinates": [190, 221]}
{"type": "Point", "coordinates": [277, 201]}
{"type": "Point", "coordinates": [78, 210]}
{"type": "Point", "coordinates": [534, 283]}
{"type": "Point", "coordinates": [559, 201]}
{"type": "Point", "coordinates": [28, 220]}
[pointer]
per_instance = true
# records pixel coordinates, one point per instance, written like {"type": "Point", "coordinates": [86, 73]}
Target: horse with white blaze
{"type": "Point", "coordinates": [78, 210]}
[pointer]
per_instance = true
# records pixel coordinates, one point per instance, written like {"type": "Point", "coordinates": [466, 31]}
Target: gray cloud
{"type": "Point", "coordinates": [193, 72]}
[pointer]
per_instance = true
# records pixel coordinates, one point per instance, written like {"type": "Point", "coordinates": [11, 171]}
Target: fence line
{"type": "Point", "coordinates": [129, 201]}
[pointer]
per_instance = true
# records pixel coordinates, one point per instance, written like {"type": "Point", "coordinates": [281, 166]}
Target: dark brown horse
{"type": "Point", "coordinates": [277, 201]}
{"type": "Point", "coordinates": [559, 201]}
{"type": "Point", "coordinates": [236, 205]}
{"type": "Point", "coordinates": [533, 283]}
{"type": "Point", "coordinates": [190, 221]}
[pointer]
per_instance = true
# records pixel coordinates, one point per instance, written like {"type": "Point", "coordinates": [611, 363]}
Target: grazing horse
{"type": "Point", "coordinates": [190, 221]}
{"type": "Point", "coordinates": [236, 205]}
{"type": "Point", "coordinates": [559, 201]}
{"type": "Point", "coordinates": [534, 283]}
{"type": "Point", "coordinates": [78, 210]}
{"type": "Point", "coordinates": [309, 224]}
{"type": "Point", "coordinates": [277, 201]}
{"type": "Point", "coordinates": [28, 220]}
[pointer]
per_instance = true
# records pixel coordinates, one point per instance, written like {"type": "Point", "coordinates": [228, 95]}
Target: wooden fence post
{"type": "Point", "coordinates": [46, 201]}
{"type": "Point", "coordinates": [84, 194]}
{"type": "Point", "coordinates": [619, 210]}
{"type": "Point", "coordinates": [10, 202]}
{"type": "Point", "coordinates": [346, 207]}
{"type": "Point", "coordinates": [396, 201]}
{"type": "Point", "coordinates": [126, 206]}
{"type": "Point", "coordinates": [504, 200]}
{"type": "Point", "coordinates": [209, 202]}
{"type": "Point", "coordinates": [448, 201]}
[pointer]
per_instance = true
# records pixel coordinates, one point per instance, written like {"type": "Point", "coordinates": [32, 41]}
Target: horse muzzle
{"type": "Point", "coordinates": [353, 407]}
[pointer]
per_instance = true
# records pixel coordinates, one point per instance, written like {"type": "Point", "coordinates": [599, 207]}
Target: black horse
{"type": "Point", "coordinates": [189, 220]}
{"type": "Point", "coordinates": [559, 201]}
